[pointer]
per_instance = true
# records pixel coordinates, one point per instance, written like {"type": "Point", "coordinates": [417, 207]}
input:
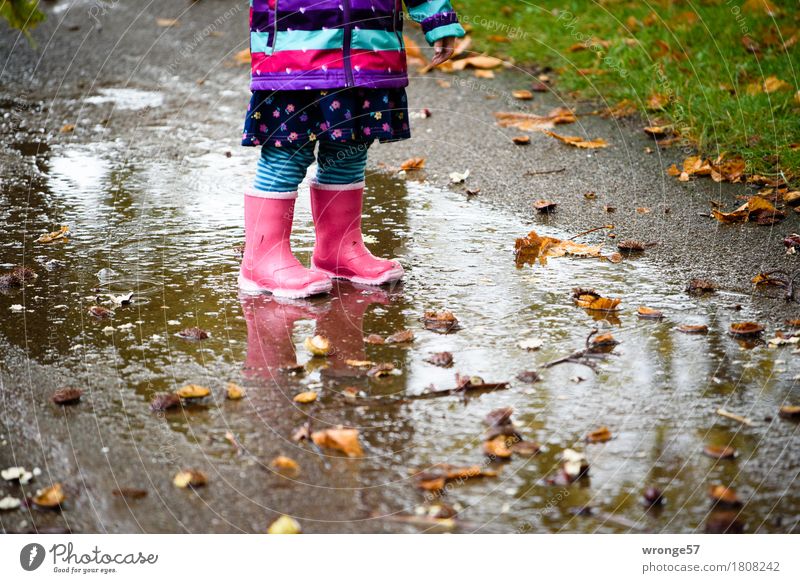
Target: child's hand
{"type": "Point", "coordinates": [443, 50]}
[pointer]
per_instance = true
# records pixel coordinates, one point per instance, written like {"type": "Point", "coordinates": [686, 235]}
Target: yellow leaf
{"type": "Point", "coordinates": [413, 164]}
{"type": "Point", "coordinates": [50, 497]}
{"type": "Point", "coordinates": [531, 122]}
{"type": "Point", "coordinates": [579, 142]}
{"type": "Point", "coordinates": [305, 397]}
{"type": "Point", "coordinates": [193, 392]}
{"type": "Point", "coordinates": [284, 525]}
{"type": "Point", "coordinates": [234, 392]}
{"type": "Point", "coordinates": [344, 440]}
{"type": "Point", "coordinates": [62, 233]}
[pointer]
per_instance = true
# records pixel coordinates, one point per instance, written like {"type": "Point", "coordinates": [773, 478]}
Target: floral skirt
{"type": "Point", "coordinates": [336, 115]}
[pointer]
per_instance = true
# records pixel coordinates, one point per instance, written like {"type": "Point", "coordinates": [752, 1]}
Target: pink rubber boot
{"type": "Point", "coordinates": [268, 264]}
{"type": "Point", "coordinates": [340, 251]}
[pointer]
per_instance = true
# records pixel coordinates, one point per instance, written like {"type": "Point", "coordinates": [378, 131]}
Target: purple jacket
{"type": "Point", "coordinates": [325, 44]}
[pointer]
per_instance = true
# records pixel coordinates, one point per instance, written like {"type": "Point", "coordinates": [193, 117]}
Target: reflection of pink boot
{"type": "Point", "coordinates": [268, 263]}
{"type": "Point", "coordinates": [340, 251]}
{"type": "Point", "coordinates": [270, 328]}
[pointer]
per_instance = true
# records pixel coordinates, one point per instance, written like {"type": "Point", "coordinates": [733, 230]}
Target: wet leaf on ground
{"type": "Point", "coordinates": [757, 209]}
{"type": "Point", "coordinates": [789, 411]}
{"type": "Point", "coordinates": [532, 248]}
{"type": "Point", "coordinates": [67, 396]}
{"type": "Point", "coordinates": [359, 363]}
{"type": "Point", "coordinates": [720, 452]}
{"type": "Point", "coordinates": [164, 401]}
{"type": "Point", "coordinates": [374, 339]}
{"type": "Point", "coordinates": [693, 328]}
{"type": "Point", "coordinates": [285, 525]}
{"type": "Point", "coordinates": [531, 122]}
{"type": "Point", "coordinates": [318, 345]}
{"type": "Point", "coordinates": [526, 448]}
{"type": "Point", "coordinates": [529, 376]}
{"type": "Point", "coordinates": [589, 299]}
{"type": "Point", "coordinates": [193, 334]}
{"type": "Point", "coordinates": [649, 313]}
{"type": "Point", "coordinates": [402, 337]}
{"type": "Point", "coordinates": [600, 435]}
{"type": "Point", "coordinates": [724, 496]}
{"type": "Point", "coordinates": [192, 391]}
{"type": "Point", "coordinates": [434, 478]}
{"type": "Point", "coordinates": [630, 246]}
{"type": "Point", "coordinates": [51, 497]}
{"type": "Point", "coordinates": [497, 447]}
{"type": "Point", "coordinates": [521, 140]}
{"type": "Point", "coordinates": [443, 359]}
{"type": "Point", "coordinates": [522, 94]}
{"type": "Point", "coordinates": [285, 464]}
{"type": "Point", "coordinates": [477, 62]}
{"type": "Point", "coordinates": [440, 321]}
{"type": "Point", "coordinates": [545, 206]}
{"type": "Point", "coordinates": [190, 479]}
{"type": "Point", "coordinates": [381, 370]}
{"type": "Point", "coordinates": [413, 164]}
{"type": "Point", "coordinates": [234, 392]}
{"type": "Point", "coordinates": [745, 329]}
{"type": "Point", "coordinates": [100, 312]}
{"type": "Point", "coordinates": [340, 439]}
{"type": "Point", "coordinates": [130, 493]}
{"type": "Point", "coordinates": [579, 142]}
{"type": "Point", "coordinates": [305, 397]}
{"type": "Point", "coordinates": [699, 286]}
{"type": "Point", "coordinates": [61, 235]}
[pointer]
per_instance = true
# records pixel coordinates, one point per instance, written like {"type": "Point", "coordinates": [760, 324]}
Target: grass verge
{"type": "Point", "coordinates": [723, 73]}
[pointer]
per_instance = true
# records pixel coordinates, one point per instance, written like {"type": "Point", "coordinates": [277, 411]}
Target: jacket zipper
{"type": "Point", "coordinates": [274, 29]}
{"type": "Point", "coordinates": [348, 39]}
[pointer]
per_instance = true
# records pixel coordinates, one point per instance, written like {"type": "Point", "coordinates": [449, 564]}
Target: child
{"type": "Point", "coordinates": [333, 72]}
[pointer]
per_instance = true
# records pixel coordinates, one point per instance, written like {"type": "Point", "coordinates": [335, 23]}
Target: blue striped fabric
{"type": "Point", "coordinates": [282, 169]}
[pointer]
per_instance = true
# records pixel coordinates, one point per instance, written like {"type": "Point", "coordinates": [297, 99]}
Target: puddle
{"type": "Point", "coordinates": [169, 236]}
{"type": "Point", "coordinates": [126, 99]}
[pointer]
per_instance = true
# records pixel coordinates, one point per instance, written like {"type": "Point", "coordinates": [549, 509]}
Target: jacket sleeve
{"type": "Point", "coordinates": [437, 17]}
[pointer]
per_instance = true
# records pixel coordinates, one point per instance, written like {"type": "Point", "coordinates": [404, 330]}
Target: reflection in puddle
{"type": "Point", "coordinates": [170, 239]}
{"type": "Point", "coordinates": [127, 99]}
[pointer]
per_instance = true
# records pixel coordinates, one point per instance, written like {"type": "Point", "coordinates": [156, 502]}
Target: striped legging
{"type": "Point", "coordinates": [282, 169]}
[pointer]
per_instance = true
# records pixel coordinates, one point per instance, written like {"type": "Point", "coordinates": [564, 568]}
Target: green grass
{"type": "Point", "coordinates": [689, 51]}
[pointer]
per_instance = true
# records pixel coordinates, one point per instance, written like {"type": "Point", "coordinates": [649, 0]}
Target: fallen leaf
{"type": "Point", "coordinates": [67, 396]}
{"type": "Point", "coordinates": [591, 300]}
{"type": "Point", "coordinates": [67, 128]}
{"type": "Point", "coordinates": [285, 525]}
{"type": "Point", "coordinates": [521, 140]}
{"type": "Point", "coordinates": [630, 246]}
{"type": "Point", "coordinates": [318, 345]}
{"type": "Point", "coordinates": [528, 448]}
{"type": "Point", "coordinates": [234, 392]}
{"type": "Point", "coordinates": [532, 248]}
{"type": "Point", "coordinates": [789, 412]}
{"type": "Point", "coordinates": [285, 464]}
{"type": "Point", "coordinates": [50, 497]}
{"type": "Point", "coordinates": [658, 132]}
{"type": "Point", "coordinates": [745, 329]}
{"type": "Point", "coordinates": [657, 102]}
{"type": "Point", "coordinates": [545, 206]}
{"type": "Point", "coordinates": [242, 57]}
{"type": "Point", "coordinates": [381, 370]}
{"type": "Point", "coordinates": [497, 448]}
{"type": "Point", "coordinates": [724, 496]}
{"type": "Point", "coordinates": [100, 312]}
{"type": "Point", "coordinates": [522, 94]}
{"type": "Point", "coordinates": [164, 401]}
{"type": "Point", "coordinates": [701, 286]}
{"type": "Point", "coordinates": [624, 108]}
{"type": "Point", "coordinates": [305, 397]}
{"type": "Point", "coordinates": [602, 343]}
{"type": "Point", "coordinates": [532, 122]}
{"type": "Point", "coordinates": [191, 391]}
{"type": "Point", "coordinates": [442, 321]}
{"type": "Point", "coordinates": [769, 85]}
{"type": "Point", "coordinates": [756, 208]}
{"type": "Point", "coordinates": [359, 363]}
{"type": "Point", "coordinates": [600, 435]}
{"type": "Point", "coordinates": [401, 337]}
{"type": "Point", "coordinates": [190, 479]}
{"type": "Point", "coordinates": [693, 328]}
{"type": "Point", "coordinates": [193, 334]}
{"type": "Point", "coordinates": [720, 452]}
{"type": "Point", "coordinates": [649, 313]}
{"type": "Point", "coordinates": [435, 477]}
{"type": "Point", "coordinates": [130, 493]}
{"type": "Point", "coordinates": [528, 376]}
{"type": "Point", "coordinates": [341, 439]}
{"type": "Point", "coordinates": [443, 359]}
{"type": "Point", "coordinates": [579, 142]}
{"type": "Point", "coordinates": [167, 22]}
{"type": "Point", "coordinates": [484, 74]}
{"type": "Point", "coordinates": [374, 339]}
{"type": "Point", "coordinates": [413, 164]}
{"type": "Point", "coordinates": [477, 62]}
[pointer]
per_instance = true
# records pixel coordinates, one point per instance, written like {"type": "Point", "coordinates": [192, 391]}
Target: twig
{"type": "Point", "coordinates": [591, 231]}
{"type": "Point", "coordinates": [539, 172]}
{"type": "Point", "coordinates": [735, 417]}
